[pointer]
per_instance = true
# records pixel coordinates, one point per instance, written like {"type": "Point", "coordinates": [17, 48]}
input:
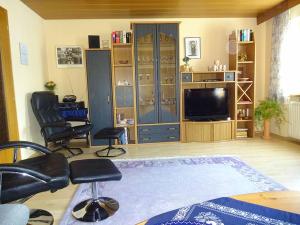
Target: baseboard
{"type": "Point", "coordinates": [286, 138]}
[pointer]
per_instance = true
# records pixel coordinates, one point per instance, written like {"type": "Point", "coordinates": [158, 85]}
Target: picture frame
{"type": "Point", "coordinates": [192, 47]}
{"type": "Point", "coordinates": [69, 56]}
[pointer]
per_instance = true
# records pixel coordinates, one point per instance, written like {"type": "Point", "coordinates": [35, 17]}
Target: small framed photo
{"type": "Point", "coordinates": [69, 56]}
{"type": "Point", "coordinates": [192, 47]}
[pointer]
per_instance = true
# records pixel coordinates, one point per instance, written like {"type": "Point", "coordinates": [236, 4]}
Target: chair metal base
{"type": "Point", "coordinates": [94, 210]}
{"type": "Point", "coordinates": [69, 149]}
{"type": "Point", "coordinates": [40, 217]}
{"type": "Point", "coordinates": [108, 149]}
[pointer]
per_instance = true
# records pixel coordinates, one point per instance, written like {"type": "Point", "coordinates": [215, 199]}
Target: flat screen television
{"type": "Point", "coordinates": [206, 104]}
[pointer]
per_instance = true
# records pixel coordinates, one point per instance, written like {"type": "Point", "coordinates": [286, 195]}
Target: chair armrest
{"type": "Point", "coordinates": [25, 144]}
{"type": "Point", "coordinates": [25, 171]}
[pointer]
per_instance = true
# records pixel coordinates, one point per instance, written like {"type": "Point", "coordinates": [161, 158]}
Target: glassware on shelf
{"type": "Point", "coordinates": [141, 76]}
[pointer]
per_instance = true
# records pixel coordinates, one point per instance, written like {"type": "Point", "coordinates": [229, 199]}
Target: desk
{"type": "Point", "coordinates": [75, 112]}
{"type": "Point", "coordinates": [287, 200]}
{"type": "Point", "coordinates": [85, 121]}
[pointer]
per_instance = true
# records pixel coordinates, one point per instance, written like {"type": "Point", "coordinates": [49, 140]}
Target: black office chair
{"type": "Point", "coordinates": [22, 179]}
{"type": "Point", "coordinates": [54, 127]}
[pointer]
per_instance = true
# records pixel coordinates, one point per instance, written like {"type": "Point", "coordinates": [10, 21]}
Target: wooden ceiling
{"type": "Point", "coordinates": [104, 9]}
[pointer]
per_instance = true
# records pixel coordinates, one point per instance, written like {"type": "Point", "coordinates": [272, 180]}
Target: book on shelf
{"type": "Point", "coordinates": [242, 129]}
{"type": "Point", "coordinates": [121, 37]}
{"type": "Point", "coordinates": [245, 35]}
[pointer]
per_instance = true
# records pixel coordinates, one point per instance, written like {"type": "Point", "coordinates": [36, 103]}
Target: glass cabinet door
{"type": "Point", "coordinates": [146, 73]}
{"type": "Point", "coordinates": [167, 70]}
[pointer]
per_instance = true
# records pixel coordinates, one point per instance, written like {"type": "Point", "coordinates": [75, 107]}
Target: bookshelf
{"type": "Point", "coordinates": [240, 82]}
{"type": "Point", "coordinates": [124, 103]}
{"type": "Point", "coordinates": [242, 59]}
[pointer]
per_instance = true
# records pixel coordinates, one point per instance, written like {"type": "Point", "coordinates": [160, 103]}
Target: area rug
{"type": "Point", "coordinates": [153, 186]}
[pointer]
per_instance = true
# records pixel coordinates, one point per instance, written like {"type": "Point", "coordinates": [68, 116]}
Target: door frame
{"type": "Point", "coordinates": [9, 92]}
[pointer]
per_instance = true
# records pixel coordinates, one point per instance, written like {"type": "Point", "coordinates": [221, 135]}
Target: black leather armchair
{"type": "Point", "coordinates": [22, 179]}
{"type": "Point", "coordinates": [54, 128]}
{"type": "Point", "coordinates": [50, 172]}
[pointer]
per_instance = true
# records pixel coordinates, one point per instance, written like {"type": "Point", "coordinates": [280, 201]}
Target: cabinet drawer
{"type": "Point", "coordinates": [229, 76]}
{"type": "Point", "coordinates": [186, 77]}
{"type": "Point", "coordinates": [160, 129]}
{"type": "Point", "coordinates": [151, 138]}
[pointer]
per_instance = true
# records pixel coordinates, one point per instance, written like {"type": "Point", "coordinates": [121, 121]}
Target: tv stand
{"type": "Point", "coordinates": [205, 131]}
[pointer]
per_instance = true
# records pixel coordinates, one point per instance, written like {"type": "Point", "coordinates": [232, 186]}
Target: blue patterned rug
{"type": "Point", "coordinates": [153, 186]}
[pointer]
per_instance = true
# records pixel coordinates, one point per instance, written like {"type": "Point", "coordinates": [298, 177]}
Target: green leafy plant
{"type": "Point", "coordinates": [50, 85]}
{"type": "Point", "coordinates": [186, 60]}
{"type": "Point", "coordinates": [269, 109]}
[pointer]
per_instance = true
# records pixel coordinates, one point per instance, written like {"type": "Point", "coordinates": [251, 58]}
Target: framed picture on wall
{"type": "Point", "coordinates": [69, 56]}
{"type": "Point", "coordinates": [192, 47]}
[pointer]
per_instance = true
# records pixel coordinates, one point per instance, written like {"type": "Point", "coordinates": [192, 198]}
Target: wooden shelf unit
{"type": "Point", "coordinates": [245, 90]}
{"type": "Point", "coordinates": [123, 82]}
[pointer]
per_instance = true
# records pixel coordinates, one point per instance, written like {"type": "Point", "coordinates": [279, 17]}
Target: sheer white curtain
{"type": "Point", "coordinates": [290, 56]}
{"type": "Point", "coordinates": [285, 61]}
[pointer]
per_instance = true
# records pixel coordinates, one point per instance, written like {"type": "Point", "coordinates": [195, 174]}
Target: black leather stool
{"type": "Point", "coordinates": [91, 171]}
{"type": "Point", "coordinates": [111, 133]}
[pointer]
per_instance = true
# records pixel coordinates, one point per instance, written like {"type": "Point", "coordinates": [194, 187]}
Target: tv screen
{"type": "Point", "coordinates": [206, 104]}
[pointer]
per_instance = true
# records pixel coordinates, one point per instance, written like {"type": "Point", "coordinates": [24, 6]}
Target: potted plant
{"type": "Point", "coordinates": [267, 110]}
{"type": "Point", "coordinates": [50, 85]}
{"type": "Point", "coordinates": [186, 66]}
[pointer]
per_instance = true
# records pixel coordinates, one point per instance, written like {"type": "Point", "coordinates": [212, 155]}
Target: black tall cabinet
{"type": "Point", "coordinates": [157, 81]}
{"type": "Point", "coordinates": [98, 66]}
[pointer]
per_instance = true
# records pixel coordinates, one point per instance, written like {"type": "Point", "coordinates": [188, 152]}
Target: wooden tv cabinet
{"type": "Point", "coordinates": [207, 131]}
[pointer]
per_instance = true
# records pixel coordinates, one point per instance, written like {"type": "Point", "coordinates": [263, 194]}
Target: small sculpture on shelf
{"type": "Point", "coordinates": [217, 67]}
{"type": "Point", "coordinates": [243, 57]}
{"type": "Point", "coordinates": [243, 114]}
{"type": "Point", "coordinates": [123, 83]}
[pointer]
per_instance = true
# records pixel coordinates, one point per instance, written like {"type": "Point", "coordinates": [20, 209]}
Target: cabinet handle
{"type": "Point", "coordinates": [145, 130]}
{"type": "Point", "coordinates": [108, 99]}
{"type": "Point", "coordinates": [146, 139]}
{"type": "Point", "coordinates": [172, 137]}
{"type": "Point", "coordinates": [172, 128]}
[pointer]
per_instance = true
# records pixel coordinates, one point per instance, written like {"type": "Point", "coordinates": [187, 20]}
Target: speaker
{"type": "Point", "coordinates": [94, 41]}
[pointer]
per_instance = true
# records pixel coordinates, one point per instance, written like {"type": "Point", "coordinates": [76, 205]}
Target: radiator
{"type": "Point", "coordinates": [294, 120]}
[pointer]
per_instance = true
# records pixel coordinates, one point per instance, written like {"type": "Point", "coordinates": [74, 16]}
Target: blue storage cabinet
{"type": "Point", "coordinates": [157, 81]}
{"type": "Point", "coordinates": [98, 66]}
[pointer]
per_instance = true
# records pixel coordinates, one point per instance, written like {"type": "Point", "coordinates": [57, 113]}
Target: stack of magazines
{"type": "Point", "coordinates": [242, 133]}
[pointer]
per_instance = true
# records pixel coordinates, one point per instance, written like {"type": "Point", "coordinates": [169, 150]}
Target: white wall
{"type": "Point", "coordinates": [214, 33]}
{"type": "Point", "coordinates": [27, 27]}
